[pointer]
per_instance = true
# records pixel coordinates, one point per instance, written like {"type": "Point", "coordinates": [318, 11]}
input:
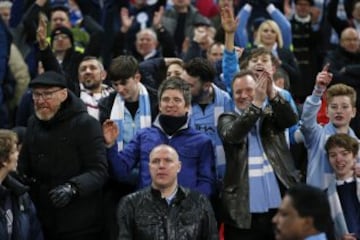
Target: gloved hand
{"type": "Point", "coordinates": [62, 195]}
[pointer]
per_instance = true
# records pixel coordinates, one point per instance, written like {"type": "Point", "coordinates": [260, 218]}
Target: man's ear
{"type": "Point", "coordinates": [63, 94]}
{"type": "Point", "coordinates": [354, 112]}
{"type": "Point", "coordinates": [103, 74]}
{"type": "Point", "coordinates": [137, 77]}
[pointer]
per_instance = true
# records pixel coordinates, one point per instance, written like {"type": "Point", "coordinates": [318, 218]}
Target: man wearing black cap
{"type": "Point", "coordinates": [62, 50]}
{"type": "Point", "coordinates": [63, 157]}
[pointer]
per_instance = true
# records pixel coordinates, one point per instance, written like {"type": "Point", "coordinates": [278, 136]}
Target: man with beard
{"type": "Point", "coordinates": [208, 102]}
{"type": "Point", "coordinates": [63, 157]}
{"type": "Point", "coordinates": [91, 77]}
{"type": "Point", "coordinates": [170, 127]}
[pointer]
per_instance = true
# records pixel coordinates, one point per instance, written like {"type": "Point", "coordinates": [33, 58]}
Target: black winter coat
{"type": "Point", "coordinates": [67, 148]}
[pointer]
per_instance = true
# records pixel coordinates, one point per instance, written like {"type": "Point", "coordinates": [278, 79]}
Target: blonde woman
{"type": "Point", "coordinates": [269, 37]}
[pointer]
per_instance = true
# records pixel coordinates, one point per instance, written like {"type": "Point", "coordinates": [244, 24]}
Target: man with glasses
{"type": "Point", "coordinates": [63, 158]}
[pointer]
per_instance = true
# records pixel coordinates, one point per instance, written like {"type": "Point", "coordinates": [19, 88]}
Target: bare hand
{"type": "Point", "coordinates": [41, 32]}
{"type": "Point", "coordinates": [126, 20]}
{"type": "Point", "coordinates": [323, 78]}
{"type": "Point", "coordinates": [158, 18]}
{"type": "Point", "coordinates": [349, 236]}
{"type": "Point", "coordinates": [228, 21]}
{"type": "Point", "coordinates": [270, 90]}
{"type": "Point", "coordinates": [110, 131]}
{"type": "Point", "coordinates": [261, 90]}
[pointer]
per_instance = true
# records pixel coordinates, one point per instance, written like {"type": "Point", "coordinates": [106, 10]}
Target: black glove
{"type": "Point", "coordinates": [62, 195]}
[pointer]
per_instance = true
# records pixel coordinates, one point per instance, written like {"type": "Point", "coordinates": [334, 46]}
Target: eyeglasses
{"type": "Point", "coordinates": [46, 95]}
{"type": "Point", "coordinates": [60, 36]}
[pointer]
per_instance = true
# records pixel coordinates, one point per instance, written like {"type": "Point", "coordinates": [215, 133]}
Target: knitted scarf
{"type": "Point", "coordinates": [118, 110]}
{"type": "Point", "coordinates": [91, 101]}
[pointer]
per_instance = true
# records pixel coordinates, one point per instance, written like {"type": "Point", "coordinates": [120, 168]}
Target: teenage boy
{"type": "Point", "coordinates": [344, 188]}
{"type": "Point", "coordinates": [341, 109]}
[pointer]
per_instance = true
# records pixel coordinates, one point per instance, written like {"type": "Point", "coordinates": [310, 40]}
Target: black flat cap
{"type": "Point", "coordinates": [49, 79]}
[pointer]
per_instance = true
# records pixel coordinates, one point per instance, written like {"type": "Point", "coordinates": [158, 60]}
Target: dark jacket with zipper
{"type": "Point", "coordinates": [25, 225]}
{"type": "Point", "coordinates": [145, 215]}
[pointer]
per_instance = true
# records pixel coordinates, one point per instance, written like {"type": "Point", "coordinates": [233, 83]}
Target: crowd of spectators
{"type": "Point", "coordinates": [242, 95]}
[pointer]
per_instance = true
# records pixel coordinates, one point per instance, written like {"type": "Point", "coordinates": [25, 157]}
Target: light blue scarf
{"type": "Point", "coordinates": [264, 189]}
{"type": "Point", "coordinates": [118, 109]}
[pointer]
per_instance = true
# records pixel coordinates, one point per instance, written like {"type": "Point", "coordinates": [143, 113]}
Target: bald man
{"type": "Point", "coordinates": [165, 210]}
{"type": "Point", "coordinates": [345, 67]}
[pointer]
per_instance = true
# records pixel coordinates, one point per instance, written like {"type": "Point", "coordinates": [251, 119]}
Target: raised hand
{"type": "Point", "coordinates": [110, 131]}
{"type": "Point", "coordinates": [41, 32]}
{"type": "Point", "coordinates": [126, 20]}
{"type": "Point", "coordinates": [158, 15]}
{"type": "Point", "coordinates": [270, 90]}
{"type": "Point", "coordinates": [261, 89]}
{"type": "Point", "coordinates": [228, 21]}
{"type": "Point", "coordinates": [323, 78]}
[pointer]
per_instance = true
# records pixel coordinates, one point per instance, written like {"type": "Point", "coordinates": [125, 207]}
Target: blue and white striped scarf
{"type": "Point", "coordinates": [91, 100]}
{"type": "Point", "coordinates": [336, 209]}
{"type": "Point", "coordinates": [118, 110]}
{"type": "Point", "coordinates": [264, 189]}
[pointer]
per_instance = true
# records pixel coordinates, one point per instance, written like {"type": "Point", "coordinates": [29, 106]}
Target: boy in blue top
{"type": "Point", "coordinates": [341, 101]}
{"type": "Point", "coordinates": [344, 188]}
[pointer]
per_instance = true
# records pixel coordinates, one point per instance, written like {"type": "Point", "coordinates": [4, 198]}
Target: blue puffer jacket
{"type": "Point", "coordinates": [26, 225]}
{"type": "Point", "coordinates": [194, 148]}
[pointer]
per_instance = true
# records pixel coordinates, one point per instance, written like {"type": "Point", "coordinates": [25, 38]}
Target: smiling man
{"type": "Point", "coordinates": [170, 127]}
{"type": "Point", "coordinates": [146, 213]}
{"type": "Point", "coordinates": [92, 89]}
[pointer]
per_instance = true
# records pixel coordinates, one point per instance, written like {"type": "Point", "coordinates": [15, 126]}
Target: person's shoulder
{"type": "Point", "coordinates": [195, 197]}
{"type": "Point", "coordinates": [136, 197]}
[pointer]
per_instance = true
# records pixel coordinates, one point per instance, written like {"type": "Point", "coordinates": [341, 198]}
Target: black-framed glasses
{"type": "Point", "coordinates": [45, 95]}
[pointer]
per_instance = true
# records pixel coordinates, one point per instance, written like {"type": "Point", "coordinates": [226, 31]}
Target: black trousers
{"type": "Point", "coordinates": [261, 228]}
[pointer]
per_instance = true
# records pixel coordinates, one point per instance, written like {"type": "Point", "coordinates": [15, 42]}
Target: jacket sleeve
{"type": "Point", "coordinates": [230, 67]}
{"type": "Point", "coordinates": [49, 61]}
{"type": "Point", "coordinates": [94, 170]}
{"type": "Point", "coordinates": [241, 34]}
{"type": "Point", "coordinates": [233, 128]}
{"type": "Point", "coordinates": [283, 113]}
{"type": "Point", "coordinates": [96, 33]}
{"type": "Point", "coordinates": [209, 225]}
{"type": "Point", "coordinates": [125, 220]}
{"type": "Point", "coordinates": [206, 167]}
{"type": "Point", "coordinates": [121, 163]}
{"type": "Point", "coordinates": [308, 125]}
{"type": "Point", "coordinates": [284, 24]}
{"type": "Point", "coordinates": [35, 226]}
{"type": "Point", "coordinates": [338, 24]}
